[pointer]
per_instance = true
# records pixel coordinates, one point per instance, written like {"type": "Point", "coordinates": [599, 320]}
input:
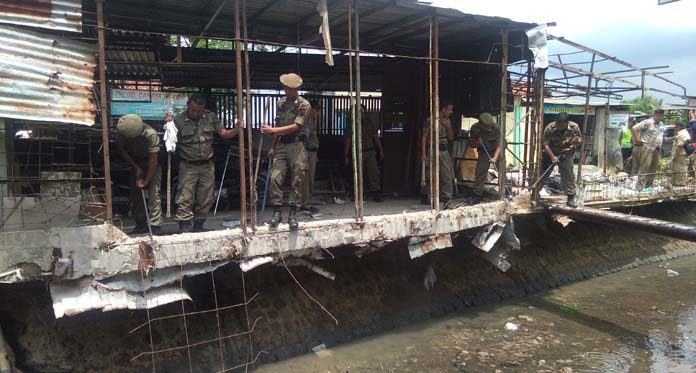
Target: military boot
{"type": "Point", "coordinates": [185, 226]}
{"type": "Point", "coordinates": [571, 201]}
{"type": "Point", "coordinates": [140, 227]}
{"type": "Point", "coordinates": [198, 225]}
{"type": "Point", "coordinates": [156, 230]}
{"type": "Point", "coordinates": [292, 219]}
{"type": "Point", "coordinates": [276, 218]}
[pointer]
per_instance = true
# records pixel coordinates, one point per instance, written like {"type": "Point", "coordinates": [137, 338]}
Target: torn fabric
{"type": "Point", "coordinates": [539, 46]}
{"type": "Point", "coordinates": [323, 10]}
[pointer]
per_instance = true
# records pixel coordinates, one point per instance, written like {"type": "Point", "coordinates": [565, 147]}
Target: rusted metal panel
{"type": "Point", "coordinates": [45, 78]}
{"type": "Point", "coordinates": [65, 15]}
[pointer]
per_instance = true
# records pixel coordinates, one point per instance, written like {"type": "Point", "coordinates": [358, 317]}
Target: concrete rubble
{"type": "Point", "coordinates": [99, 267]}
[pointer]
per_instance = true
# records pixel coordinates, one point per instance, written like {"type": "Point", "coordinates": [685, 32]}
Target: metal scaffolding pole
{"type": "Point", "coordinates": [104, 102]}
{"type": "Point", "coordinates": [503, 113]}
{"type": "Point", "coordinates": [585, 120]}
{"type": "Point", "coordinates": [436, 108]}
{"type": "Point", "coordinates": [606, 132]}
{"type": "Point", "coordinates": [240, 110]}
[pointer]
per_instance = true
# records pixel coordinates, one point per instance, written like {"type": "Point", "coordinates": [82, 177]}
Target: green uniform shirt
{"type": "Point", "coordinates": [440, 127]}
{"type": "Point", "coordinates": [291, 112]}
{"type": "Point", "coordinates": [141, 147]}
{"type": "Point", "coordinates": [195, 137]}
{"type": "Point", "coordinates": [368, 131]}
{"type": "Point", "coordinates": [490, 138]}
{"type": "Point", "coordinates": [554, 138]}
{"type": "Point", "coordinates": [310, 132]}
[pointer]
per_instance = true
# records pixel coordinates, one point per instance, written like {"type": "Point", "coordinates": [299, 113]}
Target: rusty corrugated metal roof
{"type": "Point", "coordinates": [63, 15]}
{"type": "Point", "coordinates": [45, 78]}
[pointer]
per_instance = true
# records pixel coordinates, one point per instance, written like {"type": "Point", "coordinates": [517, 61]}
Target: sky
{"type": "Point", "coordinates": [640, 32]}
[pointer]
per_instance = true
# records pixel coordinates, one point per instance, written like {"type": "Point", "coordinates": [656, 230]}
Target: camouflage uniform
{"type": "Point", "coordinates": [490, 140]}
{"type": "Point", "coordinates": [446, 165]}
{"type": "Point", "coordinates": [555, 139]}
{"type": "Point", "coordinates": [368, 131]}
{"type": "Point", "coordinates": [139, 149]}
{"type": "Point", "coordinates": [312, 141]}
{"type": "Point", "coordinates": [290, 152]}
{"type": "Point", "coordinates": [196, 169]}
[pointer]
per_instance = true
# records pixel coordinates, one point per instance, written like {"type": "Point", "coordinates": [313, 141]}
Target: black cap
{"type": "Point", "coordinates": [562, 118]}
{"type": "Point", "coordinates": [658, 111]}
{"type": "Point", "coordinates": [680, 124]}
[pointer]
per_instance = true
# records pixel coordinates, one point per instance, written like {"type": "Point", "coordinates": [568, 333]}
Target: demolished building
{"type": "Point", "coordinates": [63, 207]}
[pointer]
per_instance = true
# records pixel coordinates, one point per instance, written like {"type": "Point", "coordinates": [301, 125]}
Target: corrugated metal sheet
{"type": "Point", "coordinates": [51, 14]}
{"type": "Point", "coordinates": [45, 78]}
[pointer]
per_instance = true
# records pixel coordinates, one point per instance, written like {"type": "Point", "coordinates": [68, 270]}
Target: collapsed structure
{"type": "Point", "coordinates": [62, 197]}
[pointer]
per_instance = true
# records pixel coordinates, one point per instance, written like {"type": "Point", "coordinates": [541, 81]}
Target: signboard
{"type": "Point", "coordinates": [149, 105]}
{"type": "Point", "coordinates": [570, 109]}
{"type": "Point", "coordinates": [618, 120]}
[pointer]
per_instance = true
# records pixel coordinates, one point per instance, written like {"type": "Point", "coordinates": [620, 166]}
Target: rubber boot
{"type": "Point", "coordinates": [156, 230]}
{"type": "Point", "coordinates": [198, 225]}
{"type": "Point", "coordinates": [276, 218]}
{"type": "Point", "coordinates": [292, 219]}
{"type": "Point", "coordinates": [140, 227]}
{"type": "Point", "coordinates": [185, 226]}
{"type": "Point", "coordinates": [571, 201]}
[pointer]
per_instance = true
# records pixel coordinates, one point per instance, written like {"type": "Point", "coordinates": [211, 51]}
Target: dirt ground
{"type": "Point", "coordinates": [639, 320]}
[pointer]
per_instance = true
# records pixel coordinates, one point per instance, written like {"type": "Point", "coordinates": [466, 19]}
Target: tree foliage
{"type": "Point", "coordinates": [644, 105]}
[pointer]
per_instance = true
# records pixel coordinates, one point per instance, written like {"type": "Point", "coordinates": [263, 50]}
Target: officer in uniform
{"type": "Point", "coordinates": [138, 144]}
{"type": "Point", "coordinates": [485, 137]}
{"type": "Point", "coordinates": [560, 139]}
{"type": "Point", "coordinates": [196, 129]}
{"type": "Point", "coordinates": [312, 147]}
{"type": "Point", "coordinates": [446, 134]}
{"type": "Point", "coordinates": [369, 133]}
{"type": "Point", "coordinates": [288, 149]}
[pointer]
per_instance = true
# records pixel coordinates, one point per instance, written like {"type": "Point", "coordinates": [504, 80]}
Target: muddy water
{"type": "Point", "coordinates": [640, 320]}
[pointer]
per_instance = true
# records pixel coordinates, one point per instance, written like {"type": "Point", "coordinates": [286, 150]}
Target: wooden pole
{"type": "Point", "coordinates": [431, 146]}
{"type": "Point", "coordinates": [585, 120]}
{"type": "Point", "coordinates": [358, 105]}
{"type": "Point", "coordinates": [104, 111]}
{"type": "Point", "coordinates": [240, 110]}
{"type": "Point", "coordinates": [436, 109]}
{"type": "Point", "coordinates": [252, 181]}
{"type": "Point", "coordinates": [502, 173]}
{"type": "Point", "coordinates": [351, 102]}
{"type": "Point", "coordinates": [539, 92]}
